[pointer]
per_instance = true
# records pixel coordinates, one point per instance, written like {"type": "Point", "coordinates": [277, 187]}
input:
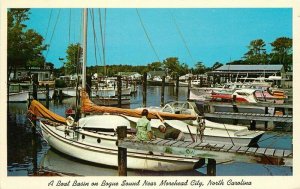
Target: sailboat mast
{"type": "Point", "coordinates": [84, 47]}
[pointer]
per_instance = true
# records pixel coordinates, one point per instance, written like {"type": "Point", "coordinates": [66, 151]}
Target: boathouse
{"type": "Point", "coordinates": [239, 72]}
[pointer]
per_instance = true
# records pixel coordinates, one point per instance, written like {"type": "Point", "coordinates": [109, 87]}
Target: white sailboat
{"type": "Point", "coordinates": [93, 138]}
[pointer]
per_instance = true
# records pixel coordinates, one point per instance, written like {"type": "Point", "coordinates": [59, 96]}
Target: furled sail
{"type": "Point", "coordinates": [87, 106]}
{"type": "Point", "coordinates": [37, 109]}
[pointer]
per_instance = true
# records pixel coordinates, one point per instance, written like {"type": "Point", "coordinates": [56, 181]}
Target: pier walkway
{"type": "Point", "coordinates": [210, 151]}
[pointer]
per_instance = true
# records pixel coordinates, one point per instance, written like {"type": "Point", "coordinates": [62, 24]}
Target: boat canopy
{"type": "Point", "coordinates": [87, 106]}
{"type": "Point", "coordinates": [39, 110]}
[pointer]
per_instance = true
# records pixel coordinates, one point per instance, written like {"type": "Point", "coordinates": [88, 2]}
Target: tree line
{"type": "Point", "coordinates": [25, 48]}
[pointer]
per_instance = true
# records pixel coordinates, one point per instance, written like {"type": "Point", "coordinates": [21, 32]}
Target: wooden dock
{"type": "Point", "coordinates": [210, 151]}
{"type": "Point", "coordinates": [251, 116]}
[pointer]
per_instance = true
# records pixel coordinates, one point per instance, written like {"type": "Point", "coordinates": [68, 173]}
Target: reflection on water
{"type": "Point", "coordinates": [27, 152]}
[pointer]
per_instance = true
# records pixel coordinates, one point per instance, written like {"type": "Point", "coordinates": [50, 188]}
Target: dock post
{"type": "Point", "coordinates": [177, 87]}
{"type": "Point", "coordinates": [145, 90]}
{"type": "Point", "coordinates": [189, 88]}
{"type": "Point", "coordinates": [122, 152]}
{"type": "Point", "coordinates": [201, 82]}
{"type": "Point", "coordinates": [60, 96]}
{"type": "Point", "coordinates": [35, 84]}
{"type": "Point", "coordinates": [235, 109]}
{"type": "Point", "coordinates": [162, 97]}
{"type": "Point", "coordinates": [47, 96]}
{"type": "Point", "coordinates": [119, 89]}
{"type": "Point", "coordinates": [266, 112]}
{"type": "Point", "coordinates": [211, 167]}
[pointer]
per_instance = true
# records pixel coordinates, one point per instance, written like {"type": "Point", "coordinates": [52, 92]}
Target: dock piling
{"type": "Point", "coordinates": [60, 96]}
{"type": "Point", "coordinates": [119, 88]}
{"type": "Point", "coordinates": [189, 88]}
{"type": "Point", "coordinates": [162, 97]}
{"type": "Point", "coordinates": [177, 87]}
{"type": "Point", "coordinates": [145, 90]}
{"type": "Point", "coordinates": [122, 152]}
{"type": "Point", "coordinates": [211, 167]}
{"type": "Point", "coordinates": [47, 96]}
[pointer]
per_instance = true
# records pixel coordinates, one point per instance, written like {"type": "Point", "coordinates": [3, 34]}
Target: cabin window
{"type": "Point", "coordinates": [98, 140]}
{"type": "Point", "coordinates": [83, 136]}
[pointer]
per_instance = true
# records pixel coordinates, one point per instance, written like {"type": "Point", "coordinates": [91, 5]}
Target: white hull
{"type": "Point", "coordinates": [18, 97]}
{"type": "Point", "coordinates": [213, 132]}
{"type": "Point", "coordinates": [106, 153]}
{"type": "Point", "coordinates": [69, 92]}
{"type": "Point", "coordinates": [41, 95]}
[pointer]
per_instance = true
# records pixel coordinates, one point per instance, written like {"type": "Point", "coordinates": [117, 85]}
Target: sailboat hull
{"type": "Point", "coordinates": [88, 148]}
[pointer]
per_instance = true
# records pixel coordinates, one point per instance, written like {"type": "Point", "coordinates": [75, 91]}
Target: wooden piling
{"type": "Point", "coordinates": [35, 84]}
{"type": "Point", "coordinates": [122, 152]}
{"type": "Point", "coordinates": [177, 87]}
{"type": "Point", "coordinates": [266, 122]}
{"type": "Point", "coordinates": [211, 167]}
{"type": "Point", "coordinates": [119, 89]}
{"type": "Point", "coordinates": [162, 97]}
{"type": "Point", "coordinates": [47, 96]}
{"type": "Point", "coordinates": [145, 90]}
{"type": "Point", "coordinates": [201, 82]}
{"type": "Point", "coordinates": [60, 95]}
{"type": "Point", "coordinates": [189, 88]}
{"type": "Point", "coordinates": [235, 109]}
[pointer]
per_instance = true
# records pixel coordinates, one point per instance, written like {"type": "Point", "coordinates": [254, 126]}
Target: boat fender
{"type": "Point", "coordinates": [70, 121]}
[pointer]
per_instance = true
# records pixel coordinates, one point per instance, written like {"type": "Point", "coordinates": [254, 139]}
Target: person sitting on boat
{"type": "Point", "coordinates": [143, 127]}
{"type": "Point", "coordinates": [170, 133]}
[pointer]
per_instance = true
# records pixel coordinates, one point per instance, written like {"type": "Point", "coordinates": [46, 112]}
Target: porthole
{"type": "Point", "coordinates": [83, 136]}
{"type": "Point", "coordinates": [98, 140]}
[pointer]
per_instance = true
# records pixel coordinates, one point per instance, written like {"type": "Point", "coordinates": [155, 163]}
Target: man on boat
{"type": "Point", "coordinates": [143, 127]}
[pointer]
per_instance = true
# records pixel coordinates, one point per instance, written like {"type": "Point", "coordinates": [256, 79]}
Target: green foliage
{"type": "Point", "coordinates": [200, 68]}
{"type": "Point", "coordinates": [24, 46]}
{"type": "Point", "coordinates": [282, 52]}
{"type": "Point", "coordinates": [59, 83]}
{"type": "Point", "coordinates": [74, 56]}
{"type": "Point", "coordinates": [257, 53]}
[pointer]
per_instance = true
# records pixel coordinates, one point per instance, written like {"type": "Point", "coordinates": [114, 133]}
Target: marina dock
{"type": "Point", "coordinates": [202, 150]}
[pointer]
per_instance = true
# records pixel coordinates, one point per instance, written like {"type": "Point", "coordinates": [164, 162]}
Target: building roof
{"type": "Point", "coordinates": [249, 67]}
{"type": "Point", "coordinates": [157, 73]}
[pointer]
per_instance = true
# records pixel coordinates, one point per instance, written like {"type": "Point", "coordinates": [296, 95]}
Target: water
{"type": "Point", "coordinates": [28, 153]}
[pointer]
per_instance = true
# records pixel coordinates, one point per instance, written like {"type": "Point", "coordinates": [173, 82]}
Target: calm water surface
{"type": "Point", "coordinates": [28, 153]}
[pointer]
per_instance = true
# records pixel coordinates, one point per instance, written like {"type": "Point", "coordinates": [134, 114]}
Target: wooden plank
{"type": "Point", "coordinates": [162, 142]}
{"type": "Point", "coordinates": [234, 149]}
{"type": "Point", "coordinates": [260, 151]}
{"type": "Point", "coordinates": [155, 141]}
{"type": "Point", "coordinates": [269, 152]}
{"type": "Point", "coordinates": [278, 153]}
{"type": "Point", "coordinates": [251, 150]}
{"type": "Point", "coordinates": [226, 148]}
{"type": "Point", "coordinates": [194, 144]}
{"type": "Point", "coordinates": [259, 104]}
{"type": "Point", "coordinates": [186, 144]}
{"type": "Point", "coordinates": [177, 144]}
{"type": "Point", "coordinates": [170, 142]}
{"type": "Point", "coordinates": [219, 146]}
{"type": "Point", "coordinates": [287, 153]}
{"type": "Point", "coordinates": [243, 149]}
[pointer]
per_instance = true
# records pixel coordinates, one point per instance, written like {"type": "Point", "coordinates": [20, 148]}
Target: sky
{"type": "Point", "coordinates": [193, 35]}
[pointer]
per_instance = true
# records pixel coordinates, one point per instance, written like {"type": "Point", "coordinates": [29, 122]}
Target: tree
{"type": "Point", "coordinates": [155, 66]}
{"type": "Point", "coordinates": [216, 65]}
{"type": "Point", "coordinates": [282, 52]}
{"type": "Point", "coordinates": [24, 46]}
{"type": "Point", "coordinates": [199, 68]}
{"type": "Point", "coordinates": [257, 52]}
{"type": "Point", "coordinates": [173, 66]}
{"type": "Point", "coordinates": [74, 56]}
